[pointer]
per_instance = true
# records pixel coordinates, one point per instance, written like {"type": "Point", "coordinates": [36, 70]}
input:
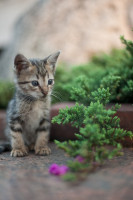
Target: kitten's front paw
{"type": "Point", "coordinates": [43, 151]}
{"type": "Point", "coordinates": [19, 152]}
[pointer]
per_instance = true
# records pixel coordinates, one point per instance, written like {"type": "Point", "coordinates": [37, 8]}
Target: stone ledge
{"type": "Point", "coordinates": [66, 132]}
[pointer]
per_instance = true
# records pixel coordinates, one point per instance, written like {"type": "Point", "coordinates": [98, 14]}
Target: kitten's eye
{"type": "Point", "coordinates": [35, 83]}
{"type": "Point", "coordinates": [50, 81]}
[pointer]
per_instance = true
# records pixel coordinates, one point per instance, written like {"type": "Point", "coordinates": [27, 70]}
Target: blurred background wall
{"type": "Point", "coordinates": [79, 28]}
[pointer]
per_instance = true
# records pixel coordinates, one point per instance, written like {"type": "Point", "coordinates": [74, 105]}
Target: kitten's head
{"type": "Point", "coordinates": [35, 77]}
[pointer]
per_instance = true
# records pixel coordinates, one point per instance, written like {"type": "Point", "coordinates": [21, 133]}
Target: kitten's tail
{"type": "Point", "coordinates": [6, 146]}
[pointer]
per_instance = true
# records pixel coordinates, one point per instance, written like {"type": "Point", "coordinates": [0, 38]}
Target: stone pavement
{"type": "Point", "coordinates": [27, 178]}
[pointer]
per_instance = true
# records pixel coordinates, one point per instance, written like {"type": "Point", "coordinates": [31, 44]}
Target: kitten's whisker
{"type": "Point", "coordinates": [24, 106]}
{"type": "Point", "coordinates": [57, 93]}
{"type": "Point", "coordinates": [56, 97]}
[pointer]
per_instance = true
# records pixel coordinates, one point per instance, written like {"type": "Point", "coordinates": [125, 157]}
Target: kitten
{"type": "Point", "coordinates": [28, 121]}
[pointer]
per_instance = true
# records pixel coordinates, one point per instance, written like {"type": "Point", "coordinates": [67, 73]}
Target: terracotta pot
{"type": "Point", "coordinates": [62, 132]}
{"type": "Point", "coordinates": [66, 132]}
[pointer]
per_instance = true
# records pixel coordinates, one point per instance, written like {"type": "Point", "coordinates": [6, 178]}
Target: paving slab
{"type": "Point", "coordinates": [28, 178]}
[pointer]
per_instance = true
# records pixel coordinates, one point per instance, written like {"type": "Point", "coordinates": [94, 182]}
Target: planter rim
{"type": "Point", "coordinates": [124, 106]}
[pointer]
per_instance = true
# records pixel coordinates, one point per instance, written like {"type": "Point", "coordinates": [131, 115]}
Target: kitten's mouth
{"type": "Point", "coordinates": [44, 95]}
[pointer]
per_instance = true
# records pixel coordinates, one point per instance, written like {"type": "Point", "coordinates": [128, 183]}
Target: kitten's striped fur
{"type": "Point", "coordinates": [28, 120]}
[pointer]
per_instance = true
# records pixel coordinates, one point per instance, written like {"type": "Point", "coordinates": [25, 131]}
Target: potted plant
{"type": "Point", "coordinates": [99, 135]}
{"type": "Point", "coordinates": [113, 71]}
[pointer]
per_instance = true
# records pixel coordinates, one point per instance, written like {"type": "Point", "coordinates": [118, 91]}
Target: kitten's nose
{"type": "Point", "coordinates": [46, 92]}
{"type": "Point", "coordinates": [43, 91]}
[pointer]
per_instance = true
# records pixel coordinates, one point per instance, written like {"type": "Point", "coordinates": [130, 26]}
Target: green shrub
{"type": "Point", "coordinates": [98, 128]}
{"type": "Point", "coordinates": [103, 71]}
{"type": "Point", "coordinates": [111, 79]}
{"type": "Point", "coordinates": [6, 93]}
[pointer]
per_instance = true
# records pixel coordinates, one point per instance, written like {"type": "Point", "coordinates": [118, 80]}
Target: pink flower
{"type": "Point", "coordinates": [79, 159]}
{"type": "Point", "coordinates": [58, 170]}
{"type": "Point", "coordinates": [63, 169]}
{"type": "Point", "coordinates": [54, 169]}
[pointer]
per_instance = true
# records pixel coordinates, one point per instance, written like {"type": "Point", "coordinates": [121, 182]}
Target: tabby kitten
{"type": "Point", "coordinates": [28, 112]}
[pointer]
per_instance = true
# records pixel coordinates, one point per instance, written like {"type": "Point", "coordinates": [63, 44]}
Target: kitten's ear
{"type": "Point", "coordinates": [52, 59]}
{"type": "Point", "coordinates": [21, 62]}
